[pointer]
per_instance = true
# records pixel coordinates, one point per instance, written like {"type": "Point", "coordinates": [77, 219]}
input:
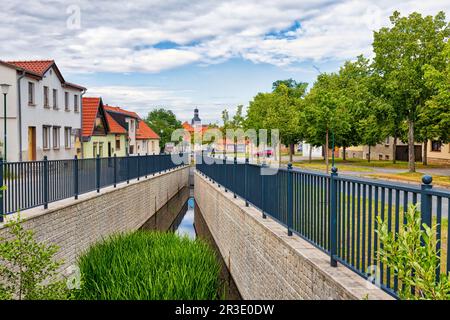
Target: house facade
{"type": "Point", "coordinates": [101, 134]}
{"type": "Point", "coordinates": [43, 112]}
{"type": "Point", "coordinates": [438, 152]}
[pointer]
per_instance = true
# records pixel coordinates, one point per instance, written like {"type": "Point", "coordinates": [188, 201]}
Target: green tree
{"type": "Point", "coordinates": [435, 116]}
{"type": "Point", "coordinates": [28, 270]}
{"type": "Point", "coordinates": [401, 52]}
{"type": "Point", "coordinates": [163, 122]}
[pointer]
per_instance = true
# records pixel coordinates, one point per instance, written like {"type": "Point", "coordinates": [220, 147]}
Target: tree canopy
{"type": "Point", "coordinates": [163, 122]}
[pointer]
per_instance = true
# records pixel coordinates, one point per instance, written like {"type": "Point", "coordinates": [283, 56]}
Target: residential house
{"type": "Point", "coordinates": [43, 111]}
{"type": "Point", "coordinates": [438, 152]}
{"type": "Point", "coordinates": [383, 151]}
{"type": "Point", "coordinates": [101, 134]}
{"type": "Point", "coordinates": [141, 139]}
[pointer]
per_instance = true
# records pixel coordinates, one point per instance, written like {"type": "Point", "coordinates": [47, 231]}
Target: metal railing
{"type": "Point", "coordinates": [37, 183]}
{"type": "Point", "coordinates": [336, 213]}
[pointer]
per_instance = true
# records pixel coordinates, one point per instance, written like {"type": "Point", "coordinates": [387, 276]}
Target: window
{"type": "Point", "coordinates": [131, 125]}
{"type": "Point", "coordinates": [75, 103]}
{"type": "Point", "coordinates": [66, 101]}
{"type": "Point", "coordinates": [31, 93]}
{"type": "Point", "coordinates": [94, 150]}
{"type": "Point", "coordinates": [436, 146]}
{"type": "Point", "coordinates": [56, 137]}
{"type": "Point", "coordinates": [46, 104]}
{"type": "Point", "coordinates": [387, 157]}
{"type": "Point", "coordinates": [55, 99]}
{"type": "Point", "coordinates": [46, 137]}
{"type": "Point", "coordinates": [380, 157]}
{"type": "Point", "coordinates": [100, 149]}
{"type": "Point", "coordinates": [117, 142]}
{"type": "Point", "coordinates": [67, 137]}
{"type": "Point", "coordinates": [387, 141]}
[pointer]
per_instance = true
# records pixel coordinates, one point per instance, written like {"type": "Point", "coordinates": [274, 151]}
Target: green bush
{"type": "Point", "coordinates": [413, 256]}
{"type": "Point", "coordinates": [27, 268]}
{"type": "Point", "coordinates": [149, 266]}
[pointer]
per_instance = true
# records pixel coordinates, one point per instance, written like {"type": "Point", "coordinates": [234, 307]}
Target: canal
{"type": "Point", "coordinates": [182, 216]}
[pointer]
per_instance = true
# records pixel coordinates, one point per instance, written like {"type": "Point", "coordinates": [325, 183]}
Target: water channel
{"type": "Point", "coordinates": [182, 216]}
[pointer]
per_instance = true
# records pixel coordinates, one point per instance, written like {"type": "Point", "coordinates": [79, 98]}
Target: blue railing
{"type": "Point", "coordinates": [335, 213]}
{"type": "Point", "coordinates": [37, 183]}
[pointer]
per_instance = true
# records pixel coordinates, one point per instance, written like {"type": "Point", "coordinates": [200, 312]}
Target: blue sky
{"type": "Point", "coordinates": [182, 54]}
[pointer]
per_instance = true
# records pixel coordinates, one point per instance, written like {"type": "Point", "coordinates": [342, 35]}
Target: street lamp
{"type": "Point", "coordinates": [5, 89]}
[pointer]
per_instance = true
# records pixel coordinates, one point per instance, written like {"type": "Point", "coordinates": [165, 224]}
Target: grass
{"type": "Point", "coordinates": [149, 266]}
{"type": "Point", "coordinates": [373, 164]}
{"type": "Point", "coordinates": [323, 167]}
{"type": "Point", "coordinates": [412, 177]}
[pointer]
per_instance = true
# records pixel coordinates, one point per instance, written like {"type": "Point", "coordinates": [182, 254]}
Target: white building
{"type": "Point", "coordinates": [316, 152]}
{"type": "Point", "coordinates": [43, 112]}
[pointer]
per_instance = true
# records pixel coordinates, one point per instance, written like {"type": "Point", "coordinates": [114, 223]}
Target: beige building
{"type": "Point", "coordinates": [438, 152]}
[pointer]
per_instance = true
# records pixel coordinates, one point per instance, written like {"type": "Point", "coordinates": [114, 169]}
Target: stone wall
{"type": "Point", "coordinates": [267, 264]}
{"type": "Point", "coordinates": [74, 225]}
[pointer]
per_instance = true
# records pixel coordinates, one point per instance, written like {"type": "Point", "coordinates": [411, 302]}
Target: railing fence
{"type": "Point", "coordinates": [37, 183]}
{"type": "Point", "coordinates": [336, 213]}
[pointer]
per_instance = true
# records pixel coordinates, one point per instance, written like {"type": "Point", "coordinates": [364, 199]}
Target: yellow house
{"type": "Point", "coordinates": [438, 152]}
{"type": "Point", "coordinates": [101, 134]}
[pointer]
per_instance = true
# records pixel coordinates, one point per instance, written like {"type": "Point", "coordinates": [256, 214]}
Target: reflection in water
{"type": "Point", "coordinates": [186, 226]}
{"type": "Point", "coordinates": [182, 215]}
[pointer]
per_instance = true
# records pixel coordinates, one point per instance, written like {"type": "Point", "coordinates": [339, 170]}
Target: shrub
{"type": "Point", "coordinates": [413, 256]}
{"type": "Point", "coordinates": [27, 268]}
{"type": "Point", "coordinates": [149, 266]}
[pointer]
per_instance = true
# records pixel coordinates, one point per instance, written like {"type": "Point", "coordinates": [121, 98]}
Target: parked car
{"type": "Point", "coordinates": [265, 153]}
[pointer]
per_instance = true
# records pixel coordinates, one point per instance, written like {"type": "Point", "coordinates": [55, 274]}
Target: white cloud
{"type": "Point", "coordinates": [117, 36]}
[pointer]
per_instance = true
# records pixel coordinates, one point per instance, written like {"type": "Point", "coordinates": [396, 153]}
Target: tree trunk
{"type": "Point", "coordinates": [411, 153]}
{"type": "Point", "coordinates": [310, 153]}
{"type": "Point", "coordinates": [291, 152]}
{"type": "Point", "coordinates": [394, 151]}
{"type": "Point", "coordinates": [344, 157]}
{"type": "Point", "coordinates": [326, 152]}
{"type": "Point", "coordinates": [369, 154]}
{"type": "Point", "coordinates": [425, 152]}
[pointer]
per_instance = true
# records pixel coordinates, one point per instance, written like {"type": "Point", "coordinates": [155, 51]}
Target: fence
{"type": "Point", "coordinates": [38, 183]}
{"type": "Point", "coordinates": [336, 213]}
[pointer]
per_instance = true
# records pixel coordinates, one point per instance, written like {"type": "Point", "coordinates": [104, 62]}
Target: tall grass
{"type": "Point", "coordinates": [149, 266]}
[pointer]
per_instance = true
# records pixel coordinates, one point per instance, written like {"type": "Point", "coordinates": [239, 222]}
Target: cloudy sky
{"type": "Point", "coordinates": [180, 54]}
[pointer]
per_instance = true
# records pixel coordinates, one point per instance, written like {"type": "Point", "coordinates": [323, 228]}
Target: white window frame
{"type": "Point", "coordinates": [55, 99]}
{"type": "Point", "coordinates": [31, 95]}
{"type": "Point", "coordinates": [46, 138]}
{"type": "Point", "coordinates": [56, 133]}
{"type": "Point", "coordinates": [67, 137]}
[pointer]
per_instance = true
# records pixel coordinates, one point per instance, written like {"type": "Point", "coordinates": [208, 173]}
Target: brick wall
{"type": "Point", "coordinates": [267, 264]}
{"type": "Point", "coordinates": [74, 225]}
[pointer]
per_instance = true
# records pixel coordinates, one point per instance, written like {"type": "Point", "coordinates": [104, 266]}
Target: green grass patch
{"type": "Point", "coordinates": [149, 266]}
{"type": "Point", "coordinates": [412, 177]}
{"type": "Point", "coordinates": [322, 167]}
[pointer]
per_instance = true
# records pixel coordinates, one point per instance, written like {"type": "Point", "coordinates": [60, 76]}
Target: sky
{"type": "Point", "coordinates": [182, 54]}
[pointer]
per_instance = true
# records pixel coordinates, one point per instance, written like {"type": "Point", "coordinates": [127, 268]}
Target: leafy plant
{"type": "Point", "coordinates": [28, 270]}
{"type": "Point", "coordinates": [149, 266]}
{"type": "Point", "coordinates": [414, 257]}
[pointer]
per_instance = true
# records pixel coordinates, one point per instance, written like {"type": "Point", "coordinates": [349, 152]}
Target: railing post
{"type": "Point", "coordinates": [226, 177]}
{"type": "Point", "coordinates": [138, 166]}
{"type": "Point", "coordinates": [425, 200]}
{"type": "Point", "coordinates": [45, 182]}
{"type": "Point", "coordinates": [290, 204]}
{"type": "Point", "coordinates": [246, 181]}
{"type": "Point", "coordinates": [263, 191]}
{"type": "Point", "coordinates": [234, 176]}
{"type": "Point", "coordinates": [115, 170]}
{"type": "Point", "coordinates": [2, 212]}
{"type": "Point", "coordinates": [75, 177]}
{"type": "Point", "coordinates": [97, 171]}
{"type": "Point", "coordinates": [146, 165]}
{"type": "Point", "coordinates": [128, 169]}
{"type": "Point", "coordinates": [333, 216]}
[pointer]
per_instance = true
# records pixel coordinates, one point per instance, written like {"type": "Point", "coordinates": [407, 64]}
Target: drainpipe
{"type": "Point", "coordinates": [81, 123]}
{"type": "Point", "coordinates": [19, 105]}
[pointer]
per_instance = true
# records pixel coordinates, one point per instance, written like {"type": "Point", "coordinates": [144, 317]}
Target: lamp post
{"type": "Point", "coordinates": [5, 89]}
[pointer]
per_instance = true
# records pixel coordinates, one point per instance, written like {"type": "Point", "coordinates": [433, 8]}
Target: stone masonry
{"type": "Point", "coordinates": [74, 225]}
{"type": "Point", "coordinates": [267, 264]}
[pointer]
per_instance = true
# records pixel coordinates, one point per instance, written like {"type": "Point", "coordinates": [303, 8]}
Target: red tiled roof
{"type": "Point", "coordinates": [120, 110]}
{"type": "Point", "coordinates": [188, 127]}
{"type": "Point", "coordinates": [35, 66]}
{"type": "Point", "coordinates": [89, 110]}
{"type": "Point", "coordinates": [113, 126]}
{"type": "Point", "coordinates": [39, 67]}
{"type": "Point", "coordinates": [144, 132]}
